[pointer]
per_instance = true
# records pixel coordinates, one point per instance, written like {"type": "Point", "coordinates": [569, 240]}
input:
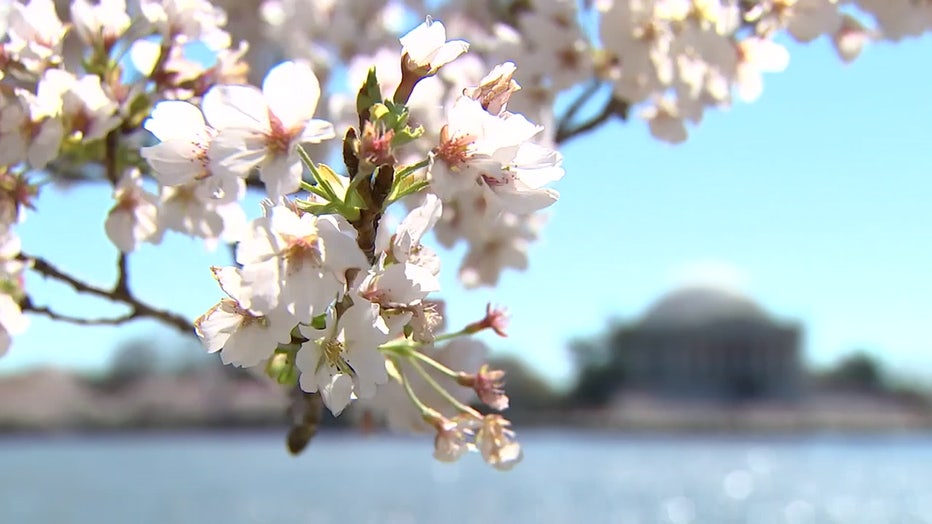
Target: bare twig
{"type": "Point", "coordinates": [614, 107]}
{"type": "Point", "coordinates": [120, 294]}
{"type": "Point", "coordinates": [61, 317]}
{"type": "Point", "coordinates": [566, 118]}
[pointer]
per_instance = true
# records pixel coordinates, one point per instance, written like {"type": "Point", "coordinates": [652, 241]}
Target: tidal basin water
{"type": "Point", "coordinates": [565, 478]}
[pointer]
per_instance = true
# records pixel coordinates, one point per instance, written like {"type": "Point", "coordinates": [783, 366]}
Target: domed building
{"type": "Point", "coordinates": [711, 344]}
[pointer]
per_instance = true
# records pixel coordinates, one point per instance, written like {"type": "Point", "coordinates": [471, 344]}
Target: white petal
{"type": "Point", "coordinates": [174, 162]}
{"type": "Point", "coordinates": [237, 151]}
{"type": "Point", "coordinates": [281, 175]}
{"type": "Point", "coordinates": [292, 92]}
{"type": "Point", "coordinates": [336, 390]}
{"type": "Point", "coordinates": [242, 107]}
{"type": "Point", "coordinates": [176, 119]}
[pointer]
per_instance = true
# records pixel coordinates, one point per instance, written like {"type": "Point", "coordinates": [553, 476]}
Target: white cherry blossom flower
{"type": "Point", "coordinates": [182, 208]}
{"type": "Point", "coordinates": [182, 155]}
{"type": "Point", "coordinates": [399, 290]}
{"type": "Point", "coordinates": [12, 322]}
{"type": "Point", "coordinates": [298, 261]}
{"type": "Point", "coordinates": [134, 218]}
{"type": "Point", "coordinates": [497, 444]}
{"type": "Point", "coordinates": [35, 34]}
{"type": "Point", "coordinates": [243, 337]}
{"type": "Point", "coordinates": [28, 138]}
{"type": "Point", "coordinates": [757, 56]}
{"type": "Point", "coordinates": [88, 112]}
{"type": "Point", "coordinates": [342, 361]}
{"type": "Point", "coordinates": [850, 38]}
{"type": "Point", "coordinates": [425, 48]}
{"type": "Point", "coordinates": [482, 151]}
{"type": "Point", "coordinates": [264, 128]}
{"type": "Point", "coordinates": [188, 21]}
{"type": "Point", "coordinates": [101, 23]}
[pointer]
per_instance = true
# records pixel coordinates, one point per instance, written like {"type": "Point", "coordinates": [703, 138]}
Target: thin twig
{"type": "Point", "coordinates": [614, 107]}
{"type": "Point", "coordinates": [138, 308]}
{"type": "Point", "coordinates": [566, 119]}
{"type": "Point", "coordinates": [61, 317]}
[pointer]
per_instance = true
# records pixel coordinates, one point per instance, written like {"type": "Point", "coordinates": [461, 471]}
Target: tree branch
{"type": "Point", "coordinates": [120, 293]}
{"type": "Point", "coordinates": [614, 107]}
{"type": "Point", "coordinates": [576, 105]}
{"type": "Point", "coordinates": [28, 306]}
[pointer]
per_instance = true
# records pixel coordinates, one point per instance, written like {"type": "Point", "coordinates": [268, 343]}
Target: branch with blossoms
{"type": "Point", "coordinates": [333, 293]}
{"type": "Point", "coordinates": [326, 294]}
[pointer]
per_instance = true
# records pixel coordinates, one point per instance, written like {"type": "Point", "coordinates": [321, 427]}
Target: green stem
{"type": "Point", "coordinates": [443, 392]}
{"type": "Point", "coordinates": [434, 364]}
{"type": "Point", "coordinates": [423, 408]}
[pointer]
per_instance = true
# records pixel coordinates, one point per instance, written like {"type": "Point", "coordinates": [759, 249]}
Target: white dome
{"type": "Point", "coordinates": [698, 305]}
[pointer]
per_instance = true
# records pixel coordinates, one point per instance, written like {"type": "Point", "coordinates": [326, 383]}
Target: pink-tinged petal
{"type": "Point", "coordinates": [174, 162]}
{"type": "Point", "coordinates": [236, 151]}
{"type": "Point", "coordinates": [174, 119]}
{"type": "Point", "coordinates": [215, 327]}
{"type": "Point", "coordinates": [292, 92]}
{"type": "Point", "coordinates": [236, 107]}
{"type": "Point", "coordinates": [316, 131]}
{"type": "Point", "coordinates": [281, 175]}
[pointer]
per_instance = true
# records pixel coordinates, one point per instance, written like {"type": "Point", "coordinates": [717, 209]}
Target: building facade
{"type": "Point", "coordinates": [711, 344]}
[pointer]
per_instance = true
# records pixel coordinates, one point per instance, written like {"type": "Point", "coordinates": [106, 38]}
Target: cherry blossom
{"type": "Point", "coordinates": [263, 128]}
{"type": "Point", "coordinates": [134, 217]}
{"type": "Point", "coordinates": [297, 261]}
{"type": "Point", "coordinates": [425, 48]}
{"type": "Point", "coordinates": [342, 361]}
{"type": "Point", "coordinates": [244, 338]}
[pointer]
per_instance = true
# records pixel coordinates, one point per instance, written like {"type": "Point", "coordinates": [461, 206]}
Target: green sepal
{"type": "Point", "coordinates": [319, 322]}
{"type": "Point", "coordinates": [369, 94]}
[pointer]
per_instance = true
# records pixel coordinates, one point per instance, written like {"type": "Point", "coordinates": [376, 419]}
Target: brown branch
{"type": "Point", "coordinates": [28, 306]}
{"type": "Point", "coordinates": [138, 308]}
{"type": "Point", "coordinates": [574, 107]}
{"type": "Point", "coordinates": [614, 107]}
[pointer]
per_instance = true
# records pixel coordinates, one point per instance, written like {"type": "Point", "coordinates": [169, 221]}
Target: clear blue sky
{"type": "Point", "coordinates": [816, 197]}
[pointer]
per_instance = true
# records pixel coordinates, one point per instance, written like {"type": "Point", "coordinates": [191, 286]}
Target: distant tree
{"type": "Point", "coordinates": [133, 360]}
{"type": "Point", "coordinates": [526, 390]}
{"type": "Point", "coordinates": [601, 366]}
{"type": "Point", "coordinates": [857, 371]}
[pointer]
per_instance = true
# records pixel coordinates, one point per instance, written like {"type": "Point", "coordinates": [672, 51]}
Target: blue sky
{"type": "Point", "coordinates": [814, 200]}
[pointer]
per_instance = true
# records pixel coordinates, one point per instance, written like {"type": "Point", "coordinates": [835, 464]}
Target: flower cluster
{"type": "Point", "coordinates": [75, 93]}
{"type": "Point", "coordinates": [326, 293]}
{"type": "Point", "coordinates": [672, 59]}
{"type": "Point", "coordinates": [333, 291]}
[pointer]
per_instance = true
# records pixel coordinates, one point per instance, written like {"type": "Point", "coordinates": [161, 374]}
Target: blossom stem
{"type": "Point", "coordinates": [433, 363]}
{"type": "Point", "coordinates": [423, 408]}
{"type": "Point", "coordinates": [443, 392]}
{"type": "Point", "coordinates": [408, 349]}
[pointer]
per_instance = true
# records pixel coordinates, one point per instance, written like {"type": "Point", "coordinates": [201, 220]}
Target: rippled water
{"type": "Point", "coordinates": [566, 477]}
